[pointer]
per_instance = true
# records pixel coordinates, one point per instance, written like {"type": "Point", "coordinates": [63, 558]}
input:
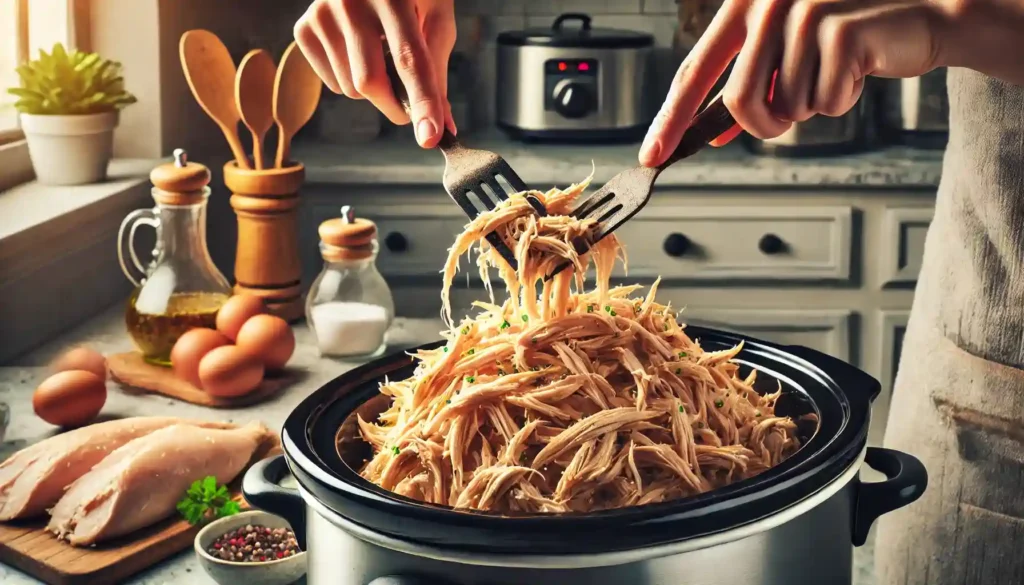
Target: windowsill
{"type": "Point", "coordinates": [33, 204]}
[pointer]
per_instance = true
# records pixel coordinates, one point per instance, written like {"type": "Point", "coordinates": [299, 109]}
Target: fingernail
{"type": "Point", "coordinates": [650, 152]}
{"type": "Point", "coordinates": [425, 130]}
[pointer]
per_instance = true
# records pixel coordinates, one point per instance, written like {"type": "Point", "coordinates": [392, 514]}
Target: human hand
{"type": "Point", "coordinates": [817, 52]}
{"type": "Point", "coordinates": [342, 40]}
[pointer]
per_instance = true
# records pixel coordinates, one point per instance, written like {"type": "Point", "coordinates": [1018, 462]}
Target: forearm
{"type": "Point", "coordinates": [984, 35]}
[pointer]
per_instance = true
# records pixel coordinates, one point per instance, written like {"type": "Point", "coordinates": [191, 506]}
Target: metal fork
{"type": "Point", "coordinates": [628, 192]}
{"type": "Point", "coordinates": [473, 172]}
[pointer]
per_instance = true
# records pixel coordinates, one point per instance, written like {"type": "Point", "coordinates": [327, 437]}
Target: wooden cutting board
{"type": "Point", "coordinates": [131, 370]}
{"type": "Point", "coordinates": [28, 547]}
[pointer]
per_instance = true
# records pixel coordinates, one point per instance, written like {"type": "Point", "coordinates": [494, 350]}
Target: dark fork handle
{"type": "Point", "coordinates": [710, 123]}
{"type": "Point", "coordinates": [448, 140]}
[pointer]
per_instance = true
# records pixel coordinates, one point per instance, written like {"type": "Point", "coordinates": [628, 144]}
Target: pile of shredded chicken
{"type": "Point", "coordinates": [567, 400]}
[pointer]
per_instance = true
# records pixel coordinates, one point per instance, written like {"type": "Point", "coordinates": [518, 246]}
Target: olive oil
{"type": "Point", "coordinates": [155, 334]}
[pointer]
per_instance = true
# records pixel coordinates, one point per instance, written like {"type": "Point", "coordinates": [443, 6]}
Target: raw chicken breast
{"type": "Point", "coordinates": [34, 478]}
{"type": "Point", "coordinates": [142, 481]}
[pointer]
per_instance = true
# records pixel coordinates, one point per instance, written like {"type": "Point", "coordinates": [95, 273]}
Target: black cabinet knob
{"type": "Point", "coordinates": [396, 242]}
{"type": "Point", "coordinates": [770, 244]}
{"type": "Point", "coordinates": [676, 245]}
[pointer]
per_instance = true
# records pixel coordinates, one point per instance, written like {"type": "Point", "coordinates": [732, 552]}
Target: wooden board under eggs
{"type": "Point", "coordinates": [132, 372]}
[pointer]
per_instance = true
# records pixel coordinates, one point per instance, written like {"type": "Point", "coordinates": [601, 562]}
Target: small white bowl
{"type": "Point", "coordinates": [277, 572]}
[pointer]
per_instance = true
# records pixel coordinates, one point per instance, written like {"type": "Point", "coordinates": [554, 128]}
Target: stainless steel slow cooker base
{"type": "Point", "coordinates": [808, 544]}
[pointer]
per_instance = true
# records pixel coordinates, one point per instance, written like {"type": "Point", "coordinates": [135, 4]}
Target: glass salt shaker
{"type": "Point", "coordinates": [349, 307]}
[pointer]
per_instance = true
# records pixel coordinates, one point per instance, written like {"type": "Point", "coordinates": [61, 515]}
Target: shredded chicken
{"type": "Point", "coordinates": [567, 400]}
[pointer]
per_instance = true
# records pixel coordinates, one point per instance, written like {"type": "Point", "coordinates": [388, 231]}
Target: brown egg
{"type": "Point", "coordinates": [228, 372]}
{"type": "Point", "coordinates": [236, 311]}
{"type": "Point", "coordinates": [81, 358]}
{"type": "Point", "coordinates": [270, 338]}
{"type": "Point", "coordinates": [70, 399]}
{"type": "Point", "coordinates": [190, 349]}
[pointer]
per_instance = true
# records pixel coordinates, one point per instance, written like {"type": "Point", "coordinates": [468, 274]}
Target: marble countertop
{"type": "Point", "coordinates": [396, 159]}
{"type": "Point", "coordinates": [105, 333]}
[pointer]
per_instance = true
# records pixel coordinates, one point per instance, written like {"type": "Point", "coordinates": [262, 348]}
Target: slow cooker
{"type": "Point", "coordinates": [796, 523]}
{"type": "Point", "coordinates": [568, 83]}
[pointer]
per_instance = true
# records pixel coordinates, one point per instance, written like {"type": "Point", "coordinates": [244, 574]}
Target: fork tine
{"type": "Point", "coordinates": [499, 191]}
{"type": "Point", "coordinates": [505, 170]}
{"type": "Point", "coordinates": [596, 202]}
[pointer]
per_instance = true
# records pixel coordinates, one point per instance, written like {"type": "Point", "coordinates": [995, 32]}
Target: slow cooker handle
{"type": "Point", "coordinates": [583, 18]}
{"type": "Point", "coordinates": [907, 480]}
{"type": "Point", "coordinates": [841, 372]}
{"type": "Point", "coordinates": [261, 488]}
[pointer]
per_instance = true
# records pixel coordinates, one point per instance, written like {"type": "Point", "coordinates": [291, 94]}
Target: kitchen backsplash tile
{"type": "Point", "coordinates": [660, 6]}
{"type": "Point", "coordinates": [587, 6]}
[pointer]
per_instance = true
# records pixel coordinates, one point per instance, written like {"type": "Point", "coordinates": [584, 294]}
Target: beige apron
{"type": "Point", "coordinates": [958, 401]}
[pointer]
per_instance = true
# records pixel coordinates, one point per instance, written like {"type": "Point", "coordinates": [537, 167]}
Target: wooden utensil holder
{"type": "Point", "coordinates": [267, 264]}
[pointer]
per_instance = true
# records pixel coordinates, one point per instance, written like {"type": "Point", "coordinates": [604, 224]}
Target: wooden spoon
{"type": "Point", "coordinates": [210, 73]}
{"type": "Point", "coordinates": [296, 94]}
{"type": "Point", "coordinates": [254, 92]}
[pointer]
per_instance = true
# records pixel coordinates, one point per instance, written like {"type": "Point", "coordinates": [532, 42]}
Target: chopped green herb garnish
{"type": "Point", "coordinates": [682, 354]}
{"type": "Point", "coordinates": [205, 500]}
{"type": "Point", "coordinates": [700, 424]}
{"type": "Point", "coordinates": [590, 308]}
{"type": "Point", "coordinates": [679, 371]}
{"type": "Point", "coordinates": [395, 450]}
{"type": "Point", "coordinates": [465, 330]}
{"type": "Point", "coordinates": [533, 340]}
{"type": "Point", "coordinates": [446, 349]}
{"type": "Point", "coordinates": [471, 351]}
{"type": "Point", "coordinates": [505, 325]}
{"type": "Point", "coordinates": [470, 379]}
{"type": "Point", "coordinates": [666, 326]}
{"type": "Point", "coordinates": [681, 409]}
{"type": "Point", "coordinates": [719, 403]}
{"type": "Point", "coordinates": [525, 318]}
{"type": "Point", "coordinates": [612, 313]}
{"type": "Point", "coordinates": [447, 401]}
{"type": "Point", "coordinates": [608, 308]}
{"type": "Point", "coordinates": [757, 413]}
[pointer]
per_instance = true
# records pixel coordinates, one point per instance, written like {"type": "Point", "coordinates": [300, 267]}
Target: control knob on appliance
{"type": "Point", "coordinates": [573, 99]}
{"type": "Point", "coordinates": [396, 242]}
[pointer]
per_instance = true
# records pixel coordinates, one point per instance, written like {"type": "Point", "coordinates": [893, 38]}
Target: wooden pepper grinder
{"type": "Point", "coordinates": [266, 203]}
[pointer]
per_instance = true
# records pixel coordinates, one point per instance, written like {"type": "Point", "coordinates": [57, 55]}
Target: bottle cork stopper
{"type": "Point", "coordinates": [181, 180]}
{"type": "Point", "coordinates": [347, 237]}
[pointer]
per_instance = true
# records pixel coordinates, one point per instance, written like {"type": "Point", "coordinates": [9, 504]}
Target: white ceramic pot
{"type": "Point", "coordinates": [70, 150]}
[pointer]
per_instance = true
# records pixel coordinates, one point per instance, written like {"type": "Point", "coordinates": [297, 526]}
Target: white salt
{"type": "Point", "coordinates": [349, 329]}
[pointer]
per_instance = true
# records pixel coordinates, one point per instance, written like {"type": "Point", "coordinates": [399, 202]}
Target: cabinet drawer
{"type": "Point", "coordinates": [739, 243]}
{"type": "Point", "coordinates": [824, 330]}
{"type": "Point", "coordinates": [903, 234]}
{"type": "Point", "coordinates": [892, 327]}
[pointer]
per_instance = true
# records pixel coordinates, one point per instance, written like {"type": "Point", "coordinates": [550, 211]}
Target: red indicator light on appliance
{"type": "Point", "coordinates": [583, 67]}
{"type": "Point", "coordinates": [562, 66]}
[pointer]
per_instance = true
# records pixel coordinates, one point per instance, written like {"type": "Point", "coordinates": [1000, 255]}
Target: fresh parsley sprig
{"type": "Point", "coordinates": [205, 500]}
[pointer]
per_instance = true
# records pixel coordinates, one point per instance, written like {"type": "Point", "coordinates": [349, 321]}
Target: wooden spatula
{"type": "Point", "coordinates": [296, 95]}
{"type": "Point", "coordinates": [210, 73]}
{"type": "Point", "coordinates": [254, 93]}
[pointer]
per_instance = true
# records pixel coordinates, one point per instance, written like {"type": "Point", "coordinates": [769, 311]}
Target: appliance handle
{"type": "Point", "coordinates": [408, 580]}
{"type": "Point", "coordinates": [583, 18]}
{"type": "Point", "coordinates": [906, 481]}
{"type": "Point", "coordinates": [261, 489]}
{"type": "Point", "coordinates": [842, 373]}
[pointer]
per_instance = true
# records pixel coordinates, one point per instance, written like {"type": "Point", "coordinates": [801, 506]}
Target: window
{"type": "Point", "coordinates": [13, 38]}
{"type": "Point", "coordinates": [24, 29]}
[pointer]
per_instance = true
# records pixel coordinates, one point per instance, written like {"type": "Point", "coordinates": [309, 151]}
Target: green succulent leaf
{"type": "Point", "coordinates": [64, 82]}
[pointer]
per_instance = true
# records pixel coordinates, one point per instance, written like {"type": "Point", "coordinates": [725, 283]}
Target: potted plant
{"type": "Point", "coordinates": [69, 104]}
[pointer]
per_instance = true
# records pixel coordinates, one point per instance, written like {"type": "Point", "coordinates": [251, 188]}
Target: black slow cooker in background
{"type": "Point", "coordinates": [790, 525]}
{"type": "Point", "coordinates": [574, 82]}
